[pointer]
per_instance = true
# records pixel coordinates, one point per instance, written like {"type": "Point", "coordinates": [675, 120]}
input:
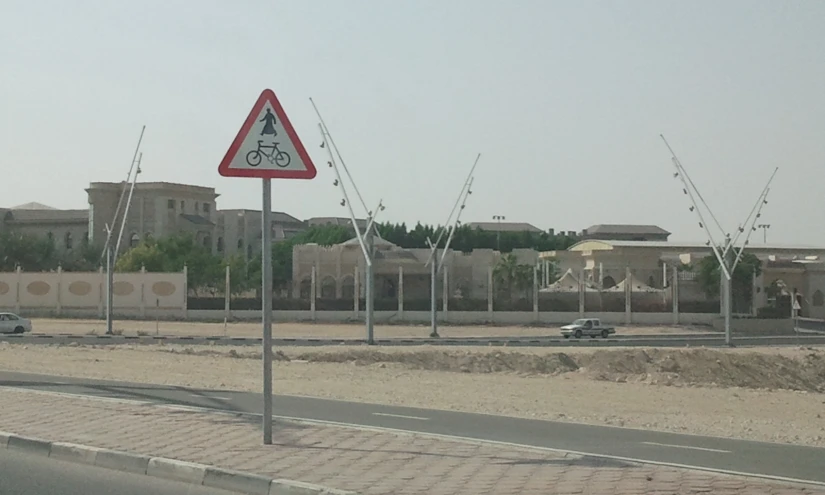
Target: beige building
{"type": "Point", "coordinates": [157, 209]}
{"type": "Point", "coordinates": [340, 270]}
{"type": "Point", "coordinates": [67, 228]}
{"type": "Point", "coordinates": [604, 263]}
{"type": "Point", "coordinates": [240, 230]}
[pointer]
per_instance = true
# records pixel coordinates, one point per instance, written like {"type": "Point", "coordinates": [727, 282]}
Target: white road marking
{"type": "Point", "coordinates": [419, 418]}
{"type": "Point", "coordinates": [686, 447]}
{"type": "Point", "coordinates": [204, 396]}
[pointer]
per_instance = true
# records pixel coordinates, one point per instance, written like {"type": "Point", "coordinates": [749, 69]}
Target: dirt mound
{"type": "Point", "coordinates": [803, 370]}
{"type": "Point", "coordinates": [465, 362]}
{"type": "Point", "coordinates": [689, 367]}
{"type": "Point", "coordinates": [708, 367]}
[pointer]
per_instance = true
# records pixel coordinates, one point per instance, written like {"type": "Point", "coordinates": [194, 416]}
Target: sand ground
{"type": "Point", "coordinates": [773, 395]}
{"type": "Point", "coordinates": [320, 330]}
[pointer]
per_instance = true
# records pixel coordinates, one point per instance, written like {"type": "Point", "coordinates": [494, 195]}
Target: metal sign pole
{"type": "Point", "coordinates": [266, 307]}
{"type": "Point", "coordinates": [370, 293]}
{"type": "Point", "coordinates": [110, 278]}
{"type": "Point", "coordinates": [433, 295]}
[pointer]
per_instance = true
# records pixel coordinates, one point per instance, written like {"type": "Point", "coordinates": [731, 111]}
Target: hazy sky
{"type": "Point", "coordinates": [565, 101]}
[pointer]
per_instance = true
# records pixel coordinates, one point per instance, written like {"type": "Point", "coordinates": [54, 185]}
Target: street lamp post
{"type": "Point", "coordinates": [727, 263]}
{"type": "Point", "coordinates": [764, 227]}
{"type": "Point", "coordinates": [498, 219]}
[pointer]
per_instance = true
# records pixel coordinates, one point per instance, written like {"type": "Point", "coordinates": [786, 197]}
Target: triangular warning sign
{"type": "Point", "coordinates": [267, 145]}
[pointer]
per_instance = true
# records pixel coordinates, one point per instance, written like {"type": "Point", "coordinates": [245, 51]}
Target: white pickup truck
{"type": "Point", "coordinates": [587, 326]}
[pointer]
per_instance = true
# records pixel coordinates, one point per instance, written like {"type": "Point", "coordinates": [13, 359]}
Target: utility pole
{"type": "Point", "coordinates": [436, 263]}
{"type": "Point", "coordinates": [110, 278]}
{"type": "Point", "coordinates": [726, 264]}
{"type": "Point", "coordinates": [135, 161]}
{"type": "Point", "coordinates": [365, 241]}
{"type": "Point", "coordinates": [498, 219]}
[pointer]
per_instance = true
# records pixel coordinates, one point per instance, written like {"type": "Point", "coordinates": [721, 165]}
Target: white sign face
{"type": "Point", "coordinates": [267, 146]}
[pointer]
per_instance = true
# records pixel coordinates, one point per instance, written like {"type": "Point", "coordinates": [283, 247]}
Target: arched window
{"type": "Point", "coordinates": [220, 244]}
{"type": "Point", "coordinates": [68, 240]}
{"type": "Point", "coordinates": [818, 298]}
{"type": "Point", "coordinates": [134, 240]}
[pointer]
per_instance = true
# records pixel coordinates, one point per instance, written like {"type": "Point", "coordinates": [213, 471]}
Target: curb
{"type": "Point", "coordinates": [161, 467]}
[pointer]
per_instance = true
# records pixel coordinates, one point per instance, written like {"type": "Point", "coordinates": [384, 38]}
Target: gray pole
{"type": "Point", "coordinates": [726, 304]}
{"type": "Point", "coordinates": [266, 306]}
{"type": "Point", "coordinates": [370, 275]}
{"type": "Point", "coordinates": [110, 278]}
{"type": "Point", "coordinates": [433, 294]}
{"type": "Point", "coordinates": [727, 287]}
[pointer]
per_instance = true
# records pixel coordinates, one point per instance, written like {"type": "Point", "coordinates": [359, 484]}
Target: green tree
{"type": "Point", "coordinates": [709, 275]}
{"type": "Point", "coordinates": [239, 280]}
{"type": "Point", "coordinates": [510, 277]}
{"type": "Point", "coordinates": [170, 254]}
{"type": "Point", "coordinates": [31, 253]}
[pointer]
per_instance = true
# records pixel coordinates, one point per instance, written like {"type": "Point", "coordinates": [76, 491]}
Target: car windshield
{"type": "Point", "coordinates": [12, 317]}
{"type": "Point", "coordinates": [580, 322]}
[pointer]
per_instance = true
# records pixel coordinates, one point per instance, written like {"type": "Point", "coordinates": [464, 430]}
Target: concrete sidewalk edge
{"type": "Point", "coordinates": [161, 467]}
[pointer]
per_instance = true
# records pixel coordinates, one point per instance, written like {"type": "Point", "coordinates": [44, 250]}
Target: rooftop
{"type": "Point", "coordinates": [277, 216]}
{"type": "Point", "coordinates": [687, 245]}
{"type": "Point", "coordinates": [504, 226]}
{"type": "Point", "coordinates": [46, 216]}
{"type": "Point", "coordinates": [625, 229]}
{"type": "Point", "coordinates": [32, 206]}
{"type": "Point", "coordinates": [155, 186]}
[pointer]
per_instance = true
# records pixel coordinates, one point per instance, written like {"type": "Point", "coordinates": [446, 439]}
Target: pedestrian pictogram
{"type": "Point", "coordinates": [267, 145]}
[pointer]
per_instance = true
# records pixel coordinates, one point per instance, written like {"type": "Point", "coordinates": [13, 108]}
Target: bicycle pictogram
{"type": "Point", "coordinates": [275, 155]}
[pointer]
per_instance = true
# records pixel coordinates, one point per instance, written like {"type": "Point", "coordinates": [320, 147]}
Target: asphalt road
{"type": "Point", "coordinates": [666, 340]}
{"type": "Point", "coordinates": [26, 474]}
{"type": "Point", "coordinates": [759, 458]}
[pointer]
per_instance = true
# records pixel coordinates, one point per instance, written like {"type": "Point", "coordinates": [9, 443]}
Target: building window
{"type": "Point", "coordinates": [240, 244]}
{"type": "Point", "coordinates": [220, 244]}
{"type": "Point", "coordinates": [181, 205]}
{"type": "Point", "coordinates": [134, 240]}
{"type": "Point", "coordinates": [818, 298]}
{"type": "Point", "coordinates": [249, 251]}
{"type": "Point", "coordinates": [170, 204]}
{"type": "Point", "coordinates": [206, 208]}
{"type": "Point", "coordinates": [50, 237]}
{"type": "Point", "coordinates": [207, 242]}
{"type": "Point", "coordinates": [68, 239]}
{"type": "Point", "coordinates": [196, 206]}
{"type": "Point", "coordinates": [85, 239]}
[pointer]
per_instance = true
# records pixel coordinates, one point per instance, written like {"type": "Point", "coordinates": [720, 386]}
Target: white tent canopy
{"type": "Point", "coordinates": [636, 285]}
{"type": "Point", "coordinates": [568, 282]}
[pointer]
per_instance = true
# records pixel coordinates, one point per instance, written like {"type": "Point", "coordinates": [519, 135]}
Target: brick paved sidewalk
{"type": "Point", "coordinates": [367, 461]}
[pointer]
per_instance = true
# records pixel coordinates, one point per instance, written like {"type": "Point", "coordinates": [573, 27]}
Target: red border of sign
{"type": "Point", "coordinates": [267, 96]}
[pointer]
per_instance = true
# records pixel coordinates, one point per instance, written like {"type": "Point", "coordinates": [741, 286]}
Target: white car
{"type": "Point", "coordinates": [11, 323]}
